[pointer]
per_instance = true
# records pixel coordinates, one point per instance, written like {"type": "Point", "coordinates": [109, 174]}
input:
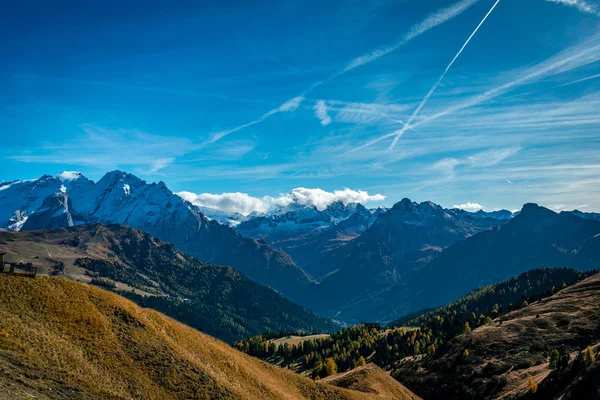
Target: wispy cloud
{"type": "Point", "coordinates": [581, 5]}
{"type": "Point", "coordinates": [321, 112]}
{"type": "Point", "coordinates": [364, 113]}
{"type": "Point", "coordinates": [446, 165]}
{"type": "Point", "coordinates": [289, 106]}
{"type": "Point", "coordinates": [243, 203]}
{"type": "Point", "coordinates": [439, 81]}
{"type": "Point", "coordinates": [433, 20]}
{"type": "Point", "coordinates": [106, 148]}
{"type": "Point", "coordinates": [160, 163]}
{"type": "Point", "coordinates": [488, 158]}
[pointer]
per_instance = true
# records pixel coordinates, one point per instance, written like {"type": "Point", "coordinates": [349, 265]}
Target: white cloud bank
{"type": "Point", "coordinates": [245, 204]}
{"type": "Point", "coordinates": [471, 207]}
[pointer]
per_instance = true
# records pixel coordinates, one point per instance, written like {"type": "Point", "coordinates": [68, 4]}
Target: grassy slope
{"type": "Point", "coordinates": [67, 340]}
{"type": "Point", "coordinates": [370, 379]}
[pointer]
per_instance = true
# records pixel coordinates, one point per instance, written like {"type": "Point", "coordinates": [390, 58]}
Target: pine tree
{"type": "Point", "coordinates": [554, 355]}
{"type": "Point", "coordinates": [361, 361]}
{"type": "Point", "coordinates": [563, 359]}
{"type": "Point", "coordinates": [272, 348]}
{"type": "Point", "coordinates": [589, 357]}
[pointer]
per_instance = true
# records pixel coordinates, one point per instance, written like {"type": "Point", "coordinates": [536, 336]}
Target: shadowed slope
{"type": "Point", "coordinates": [501, 356]}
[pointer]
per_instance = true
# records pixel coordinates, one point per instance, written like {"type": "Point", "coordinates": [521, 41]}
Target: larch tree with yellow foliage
{"type": "Point", "coordinates": [331, 367]}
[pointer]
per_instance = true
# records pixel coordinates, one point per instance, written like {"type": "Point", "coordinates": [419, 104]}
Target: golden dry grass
{"type": "Point", "coordinates": [67, 340]}
{"type": "Point", "coordinates": [296, 340]}
{"type": "Point", "coordinates": [371, 379]}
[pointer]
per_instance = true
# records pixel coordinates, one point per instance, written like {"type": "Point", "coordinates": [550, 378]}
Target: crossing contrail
{"type": "Point", "coordinates": [433, 89]}
{"type": "Point", "coordinates": [575, 57]}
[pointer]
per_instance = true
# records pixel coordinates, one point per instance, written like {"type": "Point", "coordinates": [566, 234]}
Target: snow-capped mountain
{"type": "Point", "coordinates": [303, 219]}
{"type": "Point", "coordinates": [229, 219]}
{"type": "Point", "coordinates": [120, 198]}
{"type": "Point", "coordinates": [306, 232]}
{"type": "Point", "coordinates": [19, 199]}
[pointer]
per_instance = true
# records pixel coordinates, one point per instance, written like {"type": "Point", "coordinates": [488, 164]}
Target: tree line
{"type": "Point", "coordinates": [418, 334]}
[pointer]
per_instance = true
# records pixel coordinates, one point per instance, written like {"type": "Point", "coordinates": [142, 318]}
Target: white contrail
{"type": "Point", "coordinates": [433, 89]}
{"type": "Point", "coordinates": [589, 78]}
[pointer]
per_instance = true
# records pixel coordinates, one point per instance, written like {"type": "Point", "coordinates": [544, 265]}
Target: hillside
{"type": "Point", "coordinates": [66, 340]}
{"type": "Point", "coordinates": [493, 300]}
{"type": "Point", "coordinates": [120, 198]}
{"type": "Point", "coordinates": [412, 336]}
{"type": "Point", "coordinates": [496, 359]}
{"type": "Point", "coordinates": [214, 299]}
{"type": "Point", "coordinates": [370, 379]}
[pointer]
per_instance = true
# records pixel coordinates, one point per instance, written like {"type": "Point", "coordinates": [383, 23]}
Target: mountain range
{"type": "Point", "coordinates": [307, 234]}
{"type": "Point", "coordinates": [537, 237]}
{"type": "Point", "coordinates": [344, 261]}
{"type": "Point", "coordinates": [401, 241]}
{"type": "Point", "coordinates": [235, 276]}
{"type": "Point", "coordinates": [120, 198]}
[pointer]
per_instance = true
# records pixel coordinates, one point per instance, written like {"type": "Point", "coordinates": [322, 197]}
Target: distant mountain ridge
{"type": "Point", "coordinates": [306, 233]}
{"type": "Point", "coordinates": [122, 198]}
{"type": "Point", "coordinates": [371, 265]}
{"type": "Point", "coordinates": [536, 238]}
{"type": "Point", "coordinates": [401, 240]}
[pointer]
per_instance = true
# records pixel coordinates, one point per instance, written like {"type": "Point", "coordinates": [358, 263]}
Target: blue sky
{"type": "Point", "coordinates": [262, 99]}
